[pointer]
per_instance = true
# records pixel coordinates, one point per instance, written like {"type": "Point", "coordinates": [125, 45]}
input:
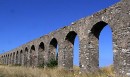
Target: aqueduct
{"type": "Point", "coordinates": [88, 30]}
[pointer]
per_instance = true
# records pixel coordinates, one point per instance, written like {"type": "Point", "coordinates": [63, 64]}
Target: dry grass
{"type": "Point", "coordinates": [13, 71]}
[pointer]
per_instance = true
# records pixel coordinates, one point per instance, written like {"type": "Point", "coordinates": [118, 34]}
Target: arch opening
{"type": "Point", "coordinates": [97, 28]}
{"type": "Point", "coordinates": [41, 54]}
{"type": "Point", "coordinates": [32, 56]}
{"type": "Point", "coordinates": [33, 47]}
{"type": "Point", "coordinates": [101, 42]}
{"type": "Point", "coordinates": [53, 51]}
{"type": "Point", "coordinates": [105, 47]}
{"type": "Point", "coordinates": [72, 47]}
{"type": "Point", "coordinates": [76, 52]}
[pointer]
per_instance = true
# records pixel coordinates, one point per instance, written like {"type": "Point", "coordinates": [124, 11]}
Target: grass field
{"type": "Point", "coordinates": [13, 71]}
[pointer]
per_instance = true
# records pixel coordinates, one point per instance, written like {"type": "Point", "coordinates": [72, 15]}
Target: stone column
{"type": "Point", "coordinates": [2, 59]}
{"type": "Point", "coordinates": [25, 57]}
{"type": "Point", "coordinates": [122, 50]}
{"type": "Point", "coordinates": [36, 57]}
{"type": "Point", "coordinates": [6, 60]}
{"type": "Point", "coordinates": [46, 59]}
{"type": "Point", "coordinates": [40, 56]}
{"type": "Point", "coordinates": [18, 57]}
{"type": "Point", "coordinates": [15, 58]}
{"type": "Point", "coordinates": [22, 56]}
{"type": "Point", "coordinates": [65, 56]}
{"type": "Point", "coordinates": [68, 54]}
{"type": "Point", "coordinates": [61, 56]}
{"type": "Point", "coordinates": [12, 58]}
{"type": "Point", "coordinates": [28, 57]}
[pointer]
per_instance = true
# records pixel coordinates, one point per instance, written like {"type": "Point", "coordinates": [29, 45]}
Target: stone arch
{"type": "Point", "coordinates": [32, 56]}
{"type": "Point", "coordinates": [52, 49]}
{"type": "Point", "coordinates": [17, 58]}
{"type": "Point", "coordinates": [93, 43]}
{"type": "Point", "coordinates": [4, 60]}
{"type": "Point", "coordinates": [69, 47]}
{"type": "Point", "coordinates": [8, 59]}
{"type": "Point", "coordinates": [21, 57]}
{"type": "Point", "coordinates": [26, 57]}
{"type": "Point", "coordinates": [41, 50]}
{"type": "Point", "coordinates": [97, 28]}
{"type": "Point", "coordinates": [13, 58]}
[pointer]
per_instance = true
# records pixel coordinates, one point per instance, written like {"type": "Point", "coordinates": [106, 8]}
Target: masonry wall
{"type": "Point", "coordinates": [87, 29]}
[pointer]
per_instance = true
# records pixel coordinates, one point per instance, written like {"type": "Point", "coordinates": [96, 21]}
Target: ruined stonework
{"type": "Point", "coordinates": [88, 30]}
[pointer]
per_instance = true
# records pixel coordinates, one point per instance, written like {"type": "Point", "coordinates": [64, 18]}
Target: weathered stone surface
{"type": "Point", "coordinates": [88, 29]}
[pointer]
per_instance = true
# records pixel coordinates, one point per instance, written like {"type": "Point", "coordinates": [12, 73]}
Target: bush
{"type": "Point", "coordinates": [16, 65]}
{"type": "Point", "coordinates": [52, 63]}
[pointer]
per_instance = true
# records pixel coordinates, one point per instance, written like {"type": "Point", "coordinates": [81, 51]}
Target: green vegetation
{"type": "Point", "coordinates": [52, 63]}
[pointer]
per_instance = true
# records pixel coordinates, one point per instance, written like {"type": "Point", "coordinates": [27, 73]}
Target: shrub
{"type": "Point", "coordinates": [16, 65]}
{"type": "Point", "coordinates": [52, 63]}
